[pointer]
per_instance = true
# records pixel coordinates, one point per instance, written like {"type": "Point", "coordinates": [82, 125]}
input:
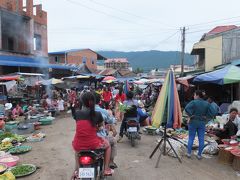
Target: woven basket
{"type": "Point", "coordinates": [225, 157]}
{"type": "Point", "coordinates": [236, 163]}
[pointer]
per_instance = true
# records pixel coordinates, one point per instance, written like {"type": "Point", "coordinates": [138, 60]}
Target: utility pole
{"type": "Point", "coordinates": [183, 31]}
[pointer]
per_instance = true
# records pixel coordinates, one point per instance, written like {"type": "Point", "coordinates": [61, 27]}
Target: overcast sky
{"type": "Point", "coordinates": [134, 25]}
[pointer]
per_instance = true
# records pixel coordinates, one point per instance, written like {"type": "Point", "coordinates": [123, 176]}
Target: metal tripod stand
{"type": "Point", "coordinates": [162, 147]}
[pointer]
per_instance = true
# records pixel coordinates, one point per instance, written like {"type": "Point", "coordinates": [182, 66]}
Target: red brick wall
{"type": "Point", "coordinates": [61, 59]}
{"type": "Point", "coordinates": [77, 57]}
{"type": "Point", "coordinates": [39, 25]}
{"type": "Point", "coordinates": [42, 31]}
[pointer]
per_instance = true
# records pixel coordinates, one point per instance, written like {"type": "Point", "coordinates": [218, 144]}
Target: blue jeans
{"type": "Point", "coordinates": [192, 129]}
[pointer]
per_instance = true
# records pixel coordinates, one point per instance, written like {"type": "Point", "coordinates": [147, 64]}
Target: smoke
{"type": "Point", "coordinates": [44, 70]}
{"type": "Point", "coordinates": [20, 30]}
{"type": "Point", "coordinates": [17, 28]}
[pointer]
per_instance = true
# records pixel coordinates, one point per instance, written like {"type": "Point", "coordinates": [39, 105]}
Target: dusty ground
{"type": "Point", "coordinates": [55, 158]}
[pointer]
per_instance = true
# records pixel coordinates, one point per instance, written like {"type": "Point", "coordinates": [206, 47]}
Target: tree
{"type": "Point", "coordinates": [138, 70]}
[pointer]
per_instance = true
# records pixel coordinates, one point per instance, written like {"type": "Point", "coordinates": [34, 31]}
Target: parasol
{"type": "Point", "coordinates": [167, 109]}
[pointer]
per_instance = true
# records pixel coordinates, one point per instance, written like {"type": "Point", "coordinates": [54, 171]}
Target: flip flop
{"type": "Point", "coordinates": [108, 172]}
{"type": "Point", "coordinates": [113, 166]}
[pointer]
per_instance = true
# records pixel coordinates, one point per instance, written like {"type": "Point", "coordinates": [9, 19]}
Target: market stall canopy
{"type": "Point", "coordinates": [227, 75]}
{"type": "Point", "coordinates": [76, 77]}
{"type": "Point", "coordinates": [184, 80]}
{"type": "Point", "coordinates": [10, 78]}
{"type": "Point", "coordinates": [109, 79]}
{"type": "Point", "coordinates": [123, 79]}
{"type": "Point", "coordinates": [142, 81]}
{"type": "Point", "coordinates": [52, 81]}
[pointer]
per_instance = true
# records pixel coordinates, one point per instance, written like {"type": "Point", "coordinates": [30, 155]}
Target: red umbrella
{"type": "Point", "coordinates": [109, 78]}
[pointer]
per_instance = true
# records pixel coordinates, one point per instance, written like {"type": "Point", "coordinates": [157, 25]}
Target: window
{"type": "Point", "coordinates": [37, 42]}
{"type": "Point", "coordinates": [10, 44]}
{"type": "Point", "coordinates": [93, 61]}
{"type": "Point", "coordinates": [25, 5]}
{"type": "Point", "coordinates": [34, 10]}
{"type": "Point", "coordinates": [56, 59]}
{"type": "Point", "coordinates": [84, 60]}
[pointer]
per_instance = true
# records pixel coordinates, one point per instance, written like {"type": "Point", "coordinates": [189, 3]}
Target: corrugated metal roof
{"type": "Point", "coordinates": [100, 57]}
{"type": "Point", "coordinates": [65, 51]}
{"type": "Point", "coordinates": [38, 62]}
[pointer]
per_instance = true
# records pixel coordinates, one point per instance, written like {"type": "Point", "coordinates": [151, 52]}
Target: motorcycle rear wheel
{"type": "Point", "coordinates": [132, 139]}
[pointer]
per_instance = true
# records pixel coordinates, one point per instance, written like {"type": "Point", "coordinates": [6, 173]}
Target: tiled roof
{"type": "Point", "coordinates": [107, 72]}
{"type": "Point", "coordinates": [220, 29]}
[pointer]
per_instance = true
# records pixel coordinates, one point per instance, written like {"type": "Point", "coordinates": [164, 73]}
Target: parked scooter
{"type": "Point", "coordinates": [132, 131]}
{"type": "Point", "coordinates": [91, 165]}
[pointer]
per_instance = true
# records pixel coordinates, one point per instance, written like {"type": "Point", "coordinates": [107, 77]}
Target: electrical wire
{"type": "Point", "coordinates": [211, 22]}
{"type": "Point", "coordinates": [129, 13]}
{"type": "Point", "coordinates": [102, 12]}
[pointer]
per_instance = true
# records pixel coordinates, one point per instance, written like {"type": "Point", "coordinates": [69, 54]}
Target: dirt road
{"type": "Point", "coordinates": [55, 158]}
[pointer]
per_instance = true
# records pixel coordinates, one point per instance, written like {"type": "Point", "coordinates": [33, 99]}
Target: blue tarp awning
{"type": "Point", "coordinates": [227, 75]}
{"type": "Point", "coordinates": [18, 61]}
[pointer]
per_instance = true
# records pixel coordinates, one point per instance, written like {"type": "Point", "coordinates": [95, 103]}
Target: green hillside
{"type": "Point", "coordinates": [148, 60]}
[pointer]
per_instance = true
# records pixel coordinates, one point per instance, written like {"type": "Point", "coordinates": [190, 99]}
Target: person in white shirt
{"type": "Point", "coordinates": [60, 104]}
{"type": "Point", "coordinates": [231, 125]}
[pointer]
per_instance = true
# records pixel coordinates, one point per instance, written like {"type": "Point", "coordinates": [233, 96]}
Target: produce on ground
{"type": "Point", "coordinates": [2, 167]}
{"type": "Point", "coordinates": [22, 170]}
{"type": "Point", "coordinates": [16, 137]}
{"type": "Point", "coordinates": [20, 149]}
{"type": "Point", "coordinates": [7, 176]}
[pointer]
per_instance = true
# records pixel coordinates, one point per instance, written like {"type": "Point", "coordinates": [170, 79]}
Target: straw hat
{"type": "Point", "coordinates": [8, 106]}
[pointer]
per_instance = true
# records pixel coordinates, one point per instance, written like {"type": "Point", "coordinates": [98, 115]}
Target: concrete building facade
{"type": "Point", "coordinates": [117, 63]}
{"type": "Point", "coordinates": [219, 46]}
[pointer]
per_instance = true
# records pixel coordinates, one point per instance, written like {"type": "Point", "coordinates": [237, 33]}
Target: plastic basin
{"type": "Point", "coordinates": [9, 160]}
{"type": "Point", "coordinates": [45, 121]}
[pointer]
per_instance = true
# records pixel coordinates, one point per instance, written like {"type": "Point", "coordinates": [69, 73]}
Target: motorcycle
{"type": "Point", "coordinates": [91, 165]}
{"type": "Point", "coordinates": [132, 131]}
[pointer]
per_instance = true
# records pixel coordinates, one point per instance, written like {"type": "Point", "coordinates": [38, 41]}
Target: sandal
{"type": "Point", "coordinates": [108, 172]}
{"type": "Point", "coordinates": [113, 166]}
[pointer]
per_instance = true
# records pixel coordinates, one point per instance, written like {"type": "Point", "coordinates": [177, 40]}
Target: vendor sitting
{"type": "Point", "coordinates": [230, 128]}
{"type": "Point", "coordinates": [31, 110]}
{"type": "Point", "coordinates": [17, 111]}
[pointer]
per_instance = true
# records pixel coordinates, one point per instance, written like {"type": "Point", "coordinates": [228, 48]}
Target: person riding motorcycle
{"type": "Point", "coordinates": [87, 122]}
{"type": "Point", "coordinates": [131, 112]}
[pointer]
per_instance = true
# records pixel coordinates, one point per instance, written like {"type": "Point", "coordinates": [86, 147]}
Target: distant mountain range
{"type": "Point", "coordinates": [148, 60]}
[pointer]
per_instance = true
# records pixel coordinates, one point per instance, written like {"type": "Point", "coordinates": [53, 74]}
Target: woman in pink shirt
{"type": "Point", "coordinates": [17, 111]}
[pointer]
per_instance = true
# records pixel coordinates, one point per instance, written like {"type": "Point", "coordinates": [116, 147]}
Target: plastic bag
{"type": "Point", "coordinates": [211, 148]}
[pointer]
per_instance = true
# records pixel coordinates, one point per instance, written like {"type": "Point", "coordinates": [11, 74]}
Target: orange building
{"type": "Point", "coordinates": [76, 57]}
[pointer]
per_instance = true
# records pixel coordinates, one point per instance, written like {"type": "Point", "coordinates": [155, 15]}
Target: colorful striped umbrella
{"type": "Point", "coordinates": [167, 109]}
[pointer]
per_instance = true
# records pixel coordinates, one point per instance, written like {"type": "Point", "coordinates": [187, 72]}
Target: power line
{"type": "Point", "coordinates": [210, 22]}
{"type": "Point", "coordinates": [77, 29]}
{"type": "Point", "coordinates": [102, 12]}
{"type": "Point", "coordinates": [123, 39]}
{"type": "Point", "coordinates": [128, 13]}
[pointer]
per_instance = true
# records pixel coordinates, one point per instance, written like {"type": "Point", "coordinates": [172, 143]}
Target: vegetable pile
{"type": "Point", "coordinates": [16, 137]}
{"type": "Point", "coordinates": [20, 149]}
{"type": "Point", "coordinates": [23, 170]}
